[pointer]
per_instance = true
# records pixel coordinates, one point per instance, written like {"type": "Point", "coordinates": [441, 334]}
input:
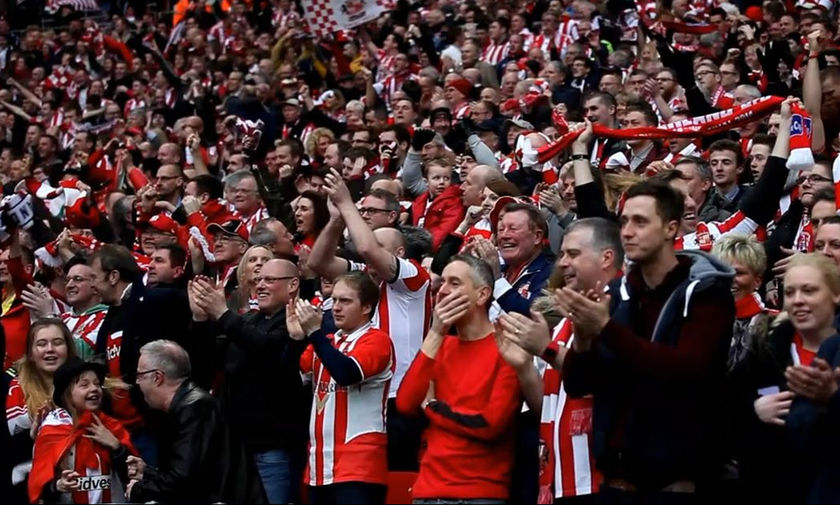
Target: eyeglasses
{"type": "Point", "coordinates": [271, 280]}
{"type": "Point", "coordinates": [813, 179]}
{"type": "Point", "coordinates": [140, 374]}
{"type": "Point", "coordinates": [704, 73]}
{"type": "Point", "coordinates": [371, 210]}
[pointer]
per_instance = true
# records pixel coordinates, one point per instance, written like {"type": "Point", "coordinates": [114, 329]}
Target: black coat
{"type": "Point", "coordinates": [200, 461]}
{"type": "Point", "coordinates": [263, 396]}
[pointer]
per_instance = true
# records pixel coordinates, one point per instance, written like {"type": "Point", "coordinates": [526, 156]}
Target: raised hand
{"type": "Point", "coordinates": [449, 309]}
{"type": "Point", "coordinates": [531, 334]}
{"type": "Point", "coordinates": [293, 321]}
{"type": "Point", "coordinates": [310, 317]}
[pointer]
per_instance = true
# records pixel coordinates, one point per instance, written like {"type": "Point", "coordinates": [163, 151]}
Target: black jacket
{"type": "Point", "coordinates": [200, 462]}
{"type": "Point", "coordinates": [263, 396]}
{"type": "Point", "coordinates": [767, 467]}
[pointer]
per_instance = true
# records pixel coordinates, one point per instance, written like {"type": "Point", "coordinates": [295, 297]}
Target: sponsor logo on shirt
{"type": "Point", "coordinates": [95, 483]}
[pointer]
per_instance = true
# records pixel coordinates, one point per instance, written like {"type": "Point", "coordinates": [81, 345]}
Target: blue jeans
{"type": "Point", "coordinates": [279, 475]}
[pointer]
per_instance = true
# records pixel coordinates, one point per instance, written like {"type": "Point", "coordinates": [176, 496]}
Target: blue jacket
{"type": "Point", "coordinates": [517, 297]}
{"type": "Point", "coordinates": [816, 437]}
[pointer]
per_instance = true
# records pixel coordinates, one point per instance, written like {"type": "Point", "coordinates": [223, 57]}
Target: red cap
{"type": "Point", "coordinates": [163, 223]}
{"type": "Point", "coordinates": [462, 85]}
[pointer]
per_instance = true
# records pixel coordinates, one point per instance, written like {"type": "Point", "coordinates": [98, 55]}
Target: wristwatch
{"type": "Point", "coordinates": [550, 352]}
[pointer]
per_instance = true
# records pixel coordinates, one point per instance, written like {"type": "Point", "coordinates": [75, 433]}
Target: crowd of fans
{"type": "Point", "coordinates": [467, 252]}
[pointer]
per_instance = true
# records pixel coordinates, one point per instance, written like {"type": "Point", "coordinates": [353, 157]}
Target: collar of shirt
{"type": "Point", "coordinates": [340, 335]}
{"type": "Point", "coordinates": [733, 193]}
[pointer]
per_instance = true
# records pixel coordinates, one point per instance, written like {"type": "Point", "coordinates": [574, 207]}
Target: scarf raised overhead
{"type": "Point", "coordinates": [700, 126]}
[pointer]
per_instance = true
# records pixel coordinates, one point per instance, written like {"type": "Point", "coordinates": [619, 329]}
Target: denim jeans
{"type": "Point", "coordinates": [459, 501]}
{"type": "Point", "coordinates": [348, 493]}
{"type": "Point", "coordinates": [279, 474]}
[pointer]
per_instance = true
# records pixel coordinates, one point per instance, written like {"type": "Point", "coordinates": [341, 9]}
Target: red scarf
{"type": "Point", "coordinates": [748, 306]}
{"type": "Point", "coordinates": [710, 124]}
{"type": "Point", "coordinates": [58, 435]}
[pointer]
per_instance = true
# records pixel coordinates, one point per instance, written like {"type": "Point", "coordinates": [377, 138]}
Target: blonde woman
{"type": "Point", "coordinates": [752, 319]}
{"type": "Point", "coordinates": [245, 296]}
{"type": "Point", "coordinates": [770, 468]}
{"type": "Point", "coordinates": [48, 345]}
{"type": "Point", "coordinates": [317, 142]}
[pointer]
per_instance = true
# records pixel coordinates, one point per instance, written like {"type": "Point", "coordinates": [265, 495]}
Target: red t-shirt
{"type": "Point", "coordinates": [470, 435]}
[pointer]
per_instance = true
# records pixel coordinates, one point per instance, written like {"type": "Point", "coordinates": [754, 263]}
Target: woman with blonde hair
{"type": "Point", "coordinates": [49, 344]}
{"type": "Point", "coordinates": [752, 319]}
{"type": "Point", "coordinates": [770, 468]}
{"type": "Point", "coordinates": [317, 142]}
{"type": "Point", "coordinates": [244, 299]}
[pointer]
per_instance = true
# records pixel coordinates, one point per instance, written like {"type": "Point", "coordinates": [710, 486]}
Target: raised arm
{"type": "Point", "coordinates": [812, 91]}
{"type": "Point", "coordinates": [322, 258]}
{"type": "Point", "coordinates": [376, 256]}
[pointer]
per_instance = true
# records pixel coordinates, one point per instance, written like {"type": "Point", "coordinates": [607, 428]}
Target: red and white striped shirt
{"type": "Point", "coordinates": [132, 104]}
{"type": "Point", "coordinates": [392, 84]}
{"type": "Point", "coordinates": [707, 233]}
{"type": "Point", "coordinates": [404, 312]}
{"type": "Point", "coordinates": [17, 417]}
{"type": "Point", "coordinates": [85, 327]}
{"type": "Point", "coordinates": [347, 438]}
{"type": "Point", "coordinates": [461, 111]}
{"type": "Point", "coordinates": [565, 433]}
{"type": "Point", "coordinates": [252, 220]}
{"type": "Point", "coordinates": [546, 42]}
{"type": "Point", "coordinates": [495, 53]}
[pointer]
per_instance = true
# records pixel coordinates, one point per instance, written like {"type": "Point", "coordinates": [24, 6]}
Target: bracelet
{"type": "Point", "coordinates": [576, 157]}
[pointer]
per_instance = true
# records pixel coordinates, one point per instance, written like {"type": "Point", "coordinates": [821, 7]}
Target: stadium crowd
{"type": "Point", "coordinates": [475, 252]}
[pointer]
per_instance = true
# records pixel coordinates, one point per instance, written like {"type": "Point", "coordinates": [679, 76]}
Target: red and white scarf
{"type": "Point", "coordinates": [92, 461]}
{"type": "Point", "coordinates": [710, 124]}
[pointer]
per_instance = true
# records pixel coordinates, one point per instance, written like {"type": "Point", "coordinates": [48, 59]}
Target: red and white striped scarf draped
{"type": "Point", "coordinates": [251, 221]}
{"type": "Point", "coordinates": [495, 53]}
{"type": "Point", "coordinates": [386, 64]}
{"type": "Point", "coordinates": [57, 436]}
{"type": "Point", "coordinates": [394, 82]}
{"type": "Point", "coordinates": [546, 42]}
{"type": "Point", "coordinates": [569, 33]}
{"type": "Point", "coordinates": [709, 124]}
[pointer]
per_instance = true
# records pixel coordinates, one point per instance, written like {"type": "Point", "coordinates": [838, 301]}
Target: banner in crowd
{"type": "Point", "coordinates": [700, 126]}
{"type": "Point", "coordinates": [53, 6]}
{"type": "Point", "coordinates": [324, 17]}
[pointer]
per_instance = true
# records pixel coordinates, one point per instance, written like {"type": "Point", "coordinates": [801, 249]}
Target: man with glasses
{"type": "Point", "coordinates": [263, 395]}
{"type": "Point", "coordinates": [199, 462]}
{"type": "Point", "coordinates": [242, 191]}
{"type": "Point", "coordinates": [380, 209]}
{"type": "Point", "coordinates": [230, 241]}
{"type": "Point", "coordinates": [169, 184]}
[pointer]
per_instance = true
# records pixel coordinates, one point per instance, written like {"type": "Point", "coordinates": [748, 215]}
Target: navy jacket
{"type": "Point", "coordinates": [528, 286]}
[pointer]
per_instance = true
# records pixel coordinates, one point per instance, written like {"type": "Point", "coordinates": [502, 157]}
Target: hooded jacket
{"type": "Point", "coordinates": [657, 372]}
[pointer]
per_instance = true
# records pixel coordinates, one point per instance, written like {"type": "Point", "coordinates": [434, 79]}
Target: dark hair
{"type": "Point", "coordinates": [646, 110]}
{"type": "Point", "coordinates": [727, 145]}
{"type": "Point", "coordinates": [177, 254]}
{"type": "Point", "coordinates": [606, 234]}
{"type": "Point", "coordinates": [343, 146]}
{"type": "Point", "coordinates": [206, 183]}
{"type": "Point", "coordinates": [534, 215]}
{"type": "Point", "coordinates": [367, 290]}
{"type": "Point", "coordinates": [504, 22]}
{"type": "Point", "coordinates": [418, 242]}
{"type": "Point", "coordinates": [75, 260]}
{"type": "Point", "coordinates": [829, 220]}
{"type": "Point", "coordinates": [670, 203]}
{"type": "Point", "coordinates": [400, 131]}
{"type": "Point", "coordinates": [764, 139]}
{"type": "Point", "coordinates": [606, 98]}
{"type": "Point", "coordinates": [319, 206]}
{"type": "Point", "coordinates": [116, 257]}
{"type": "Point", "coordinates": [295, 146]}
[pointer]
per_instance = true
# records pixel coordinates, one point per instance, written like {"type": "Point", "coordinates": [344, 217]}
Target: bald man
{"type": "Point", "coordinates": [404, 306]}
{"type": "Point", "coordinates": [472, 188]}
{"type": "Point", "coordinates": [169, 153]}
{"type": "Point", "coordinates": [263, 395]}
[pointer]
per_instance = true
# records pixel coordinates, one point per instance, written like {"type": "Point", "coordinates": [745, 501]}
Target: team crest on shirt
{"type": "Point", "coordinates": [524, 290]}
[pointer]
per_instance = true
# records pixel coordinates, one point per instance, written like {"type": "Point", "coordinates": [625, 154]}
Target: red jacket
{"type": "Point", "coordinates": [443, 216]}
